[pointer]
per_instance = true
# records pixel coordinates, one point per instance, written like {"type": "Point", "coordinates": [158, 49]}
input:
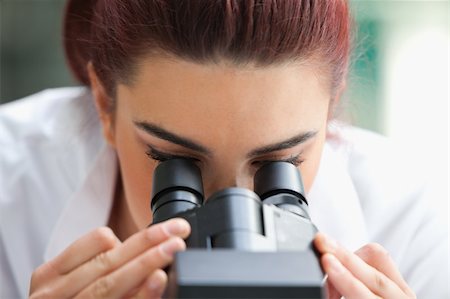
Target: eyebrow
{"type": "Point", "coordinates": [161, 133]}
{"type": "Point", "coordinates": [289, 143]}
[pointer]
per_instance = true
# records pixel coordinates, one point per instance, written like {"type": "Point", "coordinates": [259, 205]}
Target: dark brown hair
{"type": "Point", "coordinates": [113, 34]}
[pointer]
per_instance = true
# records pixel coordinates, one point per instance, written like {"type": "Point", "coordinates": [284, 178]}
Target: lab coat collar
{"type": "Point", "coordinates": [333, 196]}
{"type": "Point", "coordinates": [90, 206]}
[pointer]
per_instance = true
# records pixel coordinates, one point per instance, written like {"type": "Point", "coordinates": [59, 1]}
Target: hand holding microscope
{"type": "Point", "coordinates": [243, 243]}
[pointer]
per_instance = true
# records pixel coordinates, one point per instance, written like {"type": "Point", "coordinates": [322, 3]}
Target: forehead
{"type": "Point", "coordinates": [201, 99]}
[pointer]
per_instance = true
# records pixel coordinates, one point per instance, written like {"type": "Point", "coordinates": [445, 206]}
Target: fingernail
{"type": "Point", "coordinates": [172, 245]}
{"type": "Point", "coordinates": [176, 227]}
{"type": "Point", "coordinates": [330, 244]}
{"type": "Point", "coordinates": [334, 264]}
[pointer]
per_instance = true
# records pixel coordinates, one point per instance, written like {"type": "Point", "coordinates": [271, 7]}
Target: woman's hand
{"type": "Point", "coordinates": [98, 265]}
{"type": "Point", "coordinates": [368, 273]}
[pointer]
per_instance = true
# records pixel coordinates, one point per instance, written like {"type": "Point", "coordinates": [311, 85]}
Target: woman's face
{"type": "Point", "coordinates": [229, 119]}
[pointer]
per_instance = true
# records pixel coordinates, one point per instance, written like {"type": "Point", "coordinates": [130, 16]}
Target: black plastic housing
{"type": "Point", "coordinates": [242, 245]}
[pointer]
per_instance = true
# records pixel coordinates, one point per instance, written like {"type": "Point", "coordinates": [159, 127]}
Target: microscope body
{"type": "Point", "coordinates": [242, 244]}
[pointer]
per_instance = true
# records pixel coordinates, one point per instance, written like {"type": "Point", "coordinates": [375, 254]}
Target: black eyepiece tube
{"type": "Point", "coordinates": [278, 177]}
{"type": "Point", "coordinates": [280, 184]}
{"type": "Point", "coordinates": [177, 187]}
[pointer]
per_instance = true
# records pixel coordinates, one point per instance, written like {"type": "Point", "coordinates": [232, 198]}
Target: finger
{"type": "Point", "coordinates": [379, 258]}
{"type": "Point", "coordinates": [154, 286]}
{"type": "Point", "coordinates": [149, 237]}
{"type": "Point", "coordinates": [323, 243]}
{"type": "Point", "coordinates": [375, 280]}
{"type": "Point", "coordinates": [120, 282]}
{"type": "Point", "coordinates": [344, 282]}
{"type": "Point", "coordinates": [83, 249]}
{"type": "Point", "coordinates": [106, 262]}
{"type": "Point", "coordinates": [331, 291]}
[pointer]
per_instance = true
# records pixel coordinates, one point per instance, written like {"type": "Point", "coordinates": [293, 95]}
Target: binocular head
{"type": "Point", "coordinates": [177, 187]}
{"type": "Point", "coordinates": [272, 217]}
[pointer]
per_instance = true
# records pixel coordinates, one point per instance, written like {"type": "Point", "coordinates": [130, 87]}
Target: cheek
{"type": "Point", "coordinates": [310, 167]}
{"type": "Point", "coordinates": [136, 172]}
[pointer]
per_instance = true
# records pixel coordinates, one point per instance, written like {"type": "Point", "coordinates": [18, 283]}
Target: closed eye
{"type": "Point", "coordinates": [294, 160]}
{"type": "Point", "coordinates": [159, 156]}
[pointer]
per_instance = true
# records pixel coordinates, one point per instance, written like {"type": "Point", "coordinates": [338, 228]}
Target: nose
{"type": "Point", "coordinates": [221, 180]}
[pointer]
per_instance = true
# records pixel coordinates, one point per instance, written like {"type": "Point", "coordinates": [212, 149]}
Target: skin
{"type": "Point", "coordinates": [233, 112]}
{"type": "Point", "coordinates": [215, 107]}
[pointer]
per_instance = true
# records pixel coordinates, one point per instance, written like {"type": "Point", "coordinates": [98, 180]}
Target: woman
{"type": "Point", "coordinates": [230, 85]}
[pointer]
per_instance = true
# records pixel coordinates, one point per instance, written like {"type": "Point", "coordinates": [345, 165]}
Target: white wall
{"type": "Point", "coordinates": [415, 87]}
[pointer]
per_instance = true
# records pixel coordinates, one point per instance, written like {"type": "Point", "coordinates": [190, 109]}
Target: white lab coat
{"type": "Point", "coordinates": [57, 179]}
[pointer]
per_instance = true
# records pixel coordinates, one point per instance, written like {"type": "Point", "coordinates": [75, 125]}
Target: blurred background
{"type": "Point", "coordinates": [398, 85]}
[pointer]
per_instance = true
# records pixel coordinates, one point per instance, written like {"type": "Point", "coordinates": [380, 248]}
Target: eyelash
{"type": "Point", "coordinates": [161, 157]}
{"type": "Point", "coordinates": [294, 160]}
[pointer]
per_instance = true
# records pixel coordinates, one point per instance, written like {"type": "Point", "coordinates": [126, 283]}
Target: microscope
{"type": "Point", "coordinates": [243, 243]}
